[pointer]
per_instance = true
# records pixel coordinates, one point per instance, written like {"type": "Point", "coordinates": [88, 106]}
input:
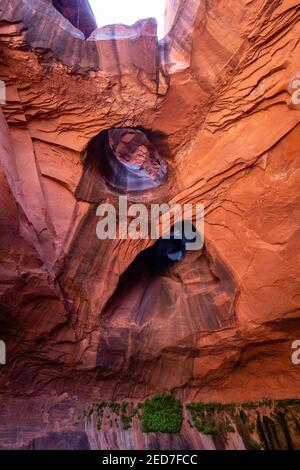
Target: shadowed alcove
{"type": "Point", "coordinates": [121, 161]}
{"type": "Point", "coordinates": [163, 301]}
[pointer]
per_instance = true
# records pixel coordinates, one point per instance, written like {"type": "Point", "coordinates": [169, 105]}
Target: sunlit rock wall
{"type": "Point", "coordinates": [215, 99]}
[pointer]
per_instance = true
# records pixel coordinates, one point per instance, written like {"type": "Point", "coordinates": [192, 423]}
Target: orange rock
{"type": "Point", "coordinates": [85, 320]}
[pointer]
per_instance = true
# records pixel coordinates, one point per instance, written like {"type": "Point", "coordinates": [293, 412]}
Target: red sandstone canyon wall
{"type": "Point", "coordinates": [83, 320]}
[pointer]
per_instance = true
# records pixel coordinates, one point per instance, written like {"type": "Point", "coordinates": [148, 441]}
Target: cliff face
{"type": "Point", "coordinates": [86, 320]}
{"type": "Point", "coordinates": [79, 13]}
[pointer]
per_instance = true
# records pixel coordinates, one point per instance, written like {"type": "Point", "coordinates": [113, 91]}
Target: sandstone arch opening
{"type": "Point", "coordinates": [88, 15]}
{"type": "Point", "coordinates": [164, 300]}
{"type": "Point", "coordinates": [162, 255]}
{"type": "Point", "coordinates": [118, 11]}
{"type": "Point", "coordinates": [122, 160]}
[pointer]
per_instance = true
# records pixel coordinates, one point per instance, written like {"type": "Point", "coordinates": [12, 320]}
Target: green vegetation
{"type": "Point", "coordinates": [128, 411]}
{"type": "Point", "coordinates": [124, 405]}
{"type": "Point", "coordinates": [229, 427]}
{"type": "Point", "coordinates": [162, 413]}
{"type": "Point", "coordinates": [271, 419]}
{"type": "Point", "coordinates": [251, 427]}
{"type": "Point", "coordinates": [283, 404]}
{"type": "Point", "coordinates": [126, 421]}
{"type": "Point", "coordinates": [207, 428]}
{"type": "Point", "coordinates": [254, 444]}
{"type": "Point", "coordinates": [115, 407]}
{"type": "Point", "coordinates": [203, 417]}
{"type": "Point", "coordinates": [99, 407]}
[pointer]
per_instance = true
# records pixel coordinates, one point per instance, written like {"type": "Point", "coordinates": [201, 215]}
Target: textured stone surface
{"type": "Point", "coordinates": [79, 13]}
{"type": "Point", "coordinates": [214, 98]}
{"type": "Point", "coordinates": [128, 161]}
{"type": "Point", "coordinates": [150, 313]}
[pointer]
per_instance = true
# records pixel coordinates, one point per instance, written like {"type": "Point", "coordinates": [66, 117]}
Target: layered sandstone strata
{"type": "Point", "coordinates": [214, 97]}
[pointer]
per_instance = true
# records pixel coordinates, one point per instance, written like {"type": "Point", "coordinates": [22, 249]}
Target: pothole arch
{"type": "Point", "coordinates": [121, 161]}
{"type": "Point", "coordinates": [164, 300]}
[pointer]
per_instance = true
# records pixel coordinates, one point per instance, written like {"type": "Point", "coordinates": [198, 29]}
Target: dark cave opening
{"type": "Point", "coordinates": [156, 259]}
{"type": "Point", "coordinates": [166, 297]}
{"type": "Point", "coordinates": [166, 251]}
{"type": "Point", "coordinates": [154, 262]}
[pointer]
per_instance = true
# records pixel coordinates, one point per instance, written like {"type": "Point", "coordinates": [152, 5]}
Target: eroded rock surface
{"type": "Point", "coordinates": [79, 13]}
{"type": "Point", "coordinates": [215, 93]}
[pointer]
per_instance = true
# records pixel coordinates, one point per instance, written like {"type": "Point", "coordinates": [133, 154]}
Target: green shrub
{"type": "Point", "coordinates": [124, 405]}
{"type": "Point", "coordinates": [254, 444]}
{"type": "Point", "coordinates": [100, 407]}
{"type": "Point", "coordinates": [128, 411]}
{"type": "Point", "coordinates": [162, 413]}
{"type": "Point", "coordinates": [251, 427]}
{"type": "Point", "coordinates": [229, 427]}
{"type": "Point", "coordinates": [126, 421]}
{"type": "Point", "coordinates": [203, 416]}
{"type": "Point", "coordinates": [115, 407]}
{"type": "Point", "coordinates": [207, 428]}
{"type": "Point", "coordinates": [195, 407]}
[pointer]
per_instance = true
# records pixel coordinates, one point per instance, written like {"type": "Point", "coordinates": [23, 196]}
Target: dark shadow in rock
{"type": "Point", "coordinates": [151, 325]}
{"type": "Point", "coordinates": [79, 13]}
{"type": "Point", "coordinates": [65, 440]}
